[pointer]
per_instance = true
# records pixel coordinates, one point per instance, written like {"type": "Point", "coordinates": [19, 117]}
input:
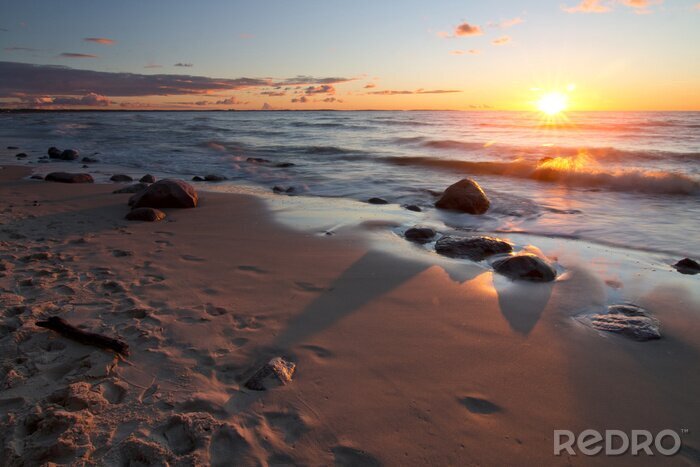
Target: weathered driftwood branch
{"type": "Point", "coordinates": [66, 329]}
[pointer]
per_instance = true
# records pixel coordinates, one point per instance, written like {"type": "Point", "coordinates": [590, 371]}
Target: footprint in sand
{"type": "Point", "coordinates": [318, 351]}
{"type": "Point", "coordinates": [345, 456]}
{"type": "Point", "coordinates": [122, 253]}
{"type": "Point", "coordinates": [249, 268]}
{"type": "Point", "coordinates": [164, 242]}
{"type": "Point", "coordinates": [192, 258]}
{"type": "Point", "coordinates": [479, 406]}
{"type": "Point", "coordinates": [113, 391]}
{"type": "Point", "coordinates": [289, 424]}
{"type": "Point", "coordinates": [309, 287]}
{"type": "Point", "coordinates": [229, 447]}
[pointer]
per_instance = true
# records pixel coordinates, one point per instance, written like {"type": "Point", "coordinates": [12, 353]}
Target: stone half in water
{"type": "Point", "coordinates": [526, 267]}
{"type": "Point", "coordinates": [628, 320]}
{"type": "Point", "coordinates": [276, 372]}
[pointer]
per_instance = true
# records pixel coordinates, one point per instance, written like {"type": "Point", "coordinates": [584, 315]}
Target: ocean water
{"type": "Point", "coordinates": [630, 180]}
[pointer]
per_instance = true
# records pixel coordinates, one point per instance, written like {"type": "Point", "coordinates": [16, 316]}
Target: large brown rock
{"type": "Point", "coordinates": [474, 248]}
{"type": "Point", "coordinates": [466, 196]}
{"type": "Point", "coordinates": [168, 193]}
{"type": "Point", "coordinates": [526, 267]}
{"type": "Point", "coordinates": [66, 177]}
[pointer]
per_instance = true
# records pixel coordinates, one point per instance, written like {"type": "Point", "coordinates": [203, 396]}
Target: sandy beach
{"type": "Point", "coordinates": [400, 359]}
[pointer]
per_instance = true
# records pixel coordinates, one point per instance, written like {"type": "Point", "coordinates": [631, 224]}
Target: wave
{"type": "Point", "coordinates": [327, 150]}
{"type": "Point", "coordinates": [579, 171]}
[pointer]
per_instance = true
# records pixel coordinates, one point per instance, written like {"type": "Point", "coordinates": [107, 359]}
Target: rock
{"type": "Point", "coordinates": [466, 196]}
{"type": "Point", "coordinates": [54, 152]}
{"type": "Point", "coordinates": [525, 266]}
{"type": "Point", "coordinates": [13, 147]}
{"type": "Point", "coordinates": [277, 371]}
{"type": "Point", "coordinates": [148, 178]}
{"type": "Point", "coordinates": [257, 160]}
{"type": "Point", "coordinates": [36, 177]}
{"type": "Point", "coordinates": [628, 320]}
{"type": "Point", "coordinates": [121, 178]}
{"type": "Point", "coordinates": [214, 178]}
{"type": "Point", "coordinates": [65, 177]}
{"type": "Point", "coordinates": [473, 248]}
{"type": "Point", "coordinates": [85, 166]}
{"type": "Point", "coordinates": [168, 193]}
{"type": "Point", "coordinates": [21, 155]}
{"type": "Point", "coordinates": [413, 207]}
{"type": "Point", "coordinates": [377, 201]}
{"type": "Point", "coordinates": [687, 266]}
{"type": "Point", "coordinates": [145, 214]}
{"type": "Point", "coordinates": [135, 188]}
{"type": "Point", "coordinates": [197, 178]}
{"type": "Point", "coordinates": [280, 189]}
{"type": "Point", "coordinates": [284, 165]}
{"type": "Point", "coordinates": [69, 155]}
{"type": "Point", "coordinates": [419, 234]}
{"type": "Point", "coordinates": [89, 160]}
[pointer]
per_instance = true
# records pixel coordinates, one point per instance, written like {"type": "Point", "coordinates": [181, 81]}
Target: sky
{"type": "Point", "coordinates": [332, 54]}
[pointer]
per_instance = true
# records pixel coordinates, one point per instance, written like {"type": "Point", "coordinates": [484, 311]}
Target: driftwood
{"type": "Point", "coordinates": [66, 329]}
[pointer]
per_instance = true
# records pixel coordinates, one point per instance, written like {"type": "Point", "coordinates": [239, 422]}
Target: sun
{"type": "Point", "coordinates": [552, 103]}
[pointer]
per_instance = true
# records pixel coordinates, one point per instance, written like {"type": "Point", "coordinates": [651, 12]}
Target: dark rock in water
{"type": "Point", "coordinates": [628, 320]}
{"type": "Point", "coordinates": [197, 178]}
{"type": "Point", "coordinates": [413, 207]}
{"type": "Point", "coordinates": [65, 177]}
{"type": "Point", "coordinates": [419, 234]}
{"type": "Point", "coordinates": [13, 147]}
{"type": "Point", "coordinates": [525, 266]}
{"type": "Point", "coordinates": [121, 178]}
{"type": "Point", "coordinates": [54, 152]}
{"type": "Point", "coordinates": [36, 177]}
{"type": "Point", "coordinates": [148, 178]}
{"type": "Point", "coordinates": [473, 248]}
{"type": "Point", "coordinates": [276, 372]}
{"type": "Point", "coordinates": [280, 189]}
{"type": "Point", "coordinates": [85, 166]}
{"type": "Point", "coordinates": [145, 214]}
{"type": "Point", "coordinates": [377, 201]}
{"type": "Point", "coordinates": [284, 165]}
{"type": "Point", "coordinates": [135, 188]}
{"type": "Point", "coordinates": [257, 160]}
{"type": "Point", "coordinates": [89, 160]}
{"type": "Point", "coordinates": [21, 155]}
{"type": "Point", "coordinates": [214, 178]}
{"type": "Point", "coordinates": [466, 196]}
{"type": "Point", "coordinates": [168, 193]}
{"type": "Point", "coordinates": [69, 155]}
{"type": "Point", "coordinates": [687, 266]}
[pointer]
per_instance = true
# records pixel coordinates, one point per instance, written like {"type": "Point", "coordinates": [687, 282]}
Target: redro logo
{"type": "Point", "coordinates": [616, 442]}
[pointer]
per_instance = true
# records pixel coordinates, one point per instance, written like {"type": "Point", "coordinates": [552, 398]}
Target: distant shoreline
{"type": "Point", "coordinates": [324, 110]}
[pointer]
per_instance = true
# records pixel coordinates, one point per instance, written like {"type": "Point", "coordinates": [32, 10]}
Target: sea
{"type": "Point", "coordinates": [628, 180]}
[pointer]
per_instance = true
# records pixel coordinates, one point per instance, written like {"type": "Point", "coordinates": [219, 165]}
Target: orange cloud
{"type": "Point", "coordinates": [508, 23]}
{"type": "Point", "coordinates": [322, 89]}
{"type": "Point", "coordinates": [466, 29]}
{"type": "Point", "coordinates": [74, 55]}
{"type": "Point", "coordinates": [503, 40]}
{"type": "Point", "coordinates": [99, 40]}
{"type": "Point", "coordinates": [462, 52]}
{"type": "Point", "coordinates": [417, 91]}
{"type": "Point", "coordinates": [370, 85]}
{"type": "Point", "coordinates": [588, 6]}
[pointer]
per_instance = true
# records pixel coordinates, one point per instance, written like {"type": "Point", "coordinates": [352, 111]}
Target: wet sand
{"type": "Point", "coordinates": [400, 360]}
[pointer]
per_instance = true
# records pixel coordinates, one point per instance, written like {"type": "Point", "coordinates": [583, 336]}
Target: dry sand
{"type": "Point", "coordinates": [399, 362]}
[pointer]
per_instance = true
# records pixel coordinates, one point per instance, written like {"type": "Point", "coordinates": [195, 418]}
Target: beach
{"type": "Point", "coordinates": [402, 357]}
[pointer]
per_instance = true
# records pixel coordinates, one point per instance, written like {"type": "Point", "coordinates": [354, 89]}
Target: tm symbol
{"type": "Point", "coordinates": [685, 431]}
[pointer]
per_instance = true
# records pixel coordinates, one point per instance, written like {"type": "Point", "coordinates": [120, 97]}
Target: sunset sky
{"type": "Point", "coordinates": [603, 55]}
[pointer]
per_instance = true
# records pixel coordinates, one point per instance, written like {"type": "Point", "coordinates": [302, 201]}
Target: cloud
{"type": "Point", "coordinates": [417, 91]}
{"type": "Point", "coordinates": [99, 40]}
{"type": "Point", "coordinates": [466, 29]}
{"type": "Point", "coordinates": [322, 89]}
{"type": "Point", "coordinates": [88, 100]}
{"type": "Point", "coordinates": [641, 6]}
{"type": "Point", "coordinates": [75, 55]}
{"type": "Point", "coordinates": [266, 106]}
{"type": "Point", "coordinates": [20, 49]}
{"type": "Point", "coordinates": [229, 101]}
{"type": "Point", "coordinates": [370, 86]}
{"type": "Point", "coordinates": [25, 78]}
{"type": "Point", "coordinates": [301, 100]}
{"type": "Point", "coordinates": [508, 23]}
{"type": "Point", "coordinates": [186, 65]}
{"type": "Point", "coordinates": [332, 99]}
{"type": "Point", "coordinates": [273, 93]}
{"type": "Point", "coordinates": [503, 40]}
{"type": "Point", "coordinates": [303, 79]}
{"type": "Point", "coordinates": [462, 52]}
{"type": "Point", "coordinates": [587, 6]}
{"type": "Point", "coordinates": [4, 30]}
{"type": "Point", "coordinates": [153, 65]}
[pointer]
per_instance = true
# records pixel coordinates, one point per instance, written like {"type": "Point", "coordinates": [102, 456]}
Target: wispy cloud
{"type": "Point", "coordinates": [503, 40]}
{"type": "Point", "coordinates": [184, 65]}
{"type": "Point", "coordinates": [370, 86]}
{"type": "Point", "coordinates": [321, 89]}
{"type": "Point", "coordinates": [20, 49]}
{"type": "Point", "coordinates": [273, 93]}
{"type": "Point", "coordinates": [507, 23]}
{"type": "Point", "coordinates": [88, 100]}
{"type": "Point", "coordinates": [99, 40]}
{"type": "Point", "coordinates": [463, 52]}
{"type": "Point", "coordinates": [304, 79]}
{"type": "Point", "coordinates": [466, 29]}
{"type": "Point", "coordinates": [76, 55]}
{"type": "Point", "coordinates": [391, 92]}
{"type": "Point", "coordinates": [300, 100]}
{"type": "Point", "coordinates": [587, 6]}
{"type": "Point", "coordinates": [153, 65]}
